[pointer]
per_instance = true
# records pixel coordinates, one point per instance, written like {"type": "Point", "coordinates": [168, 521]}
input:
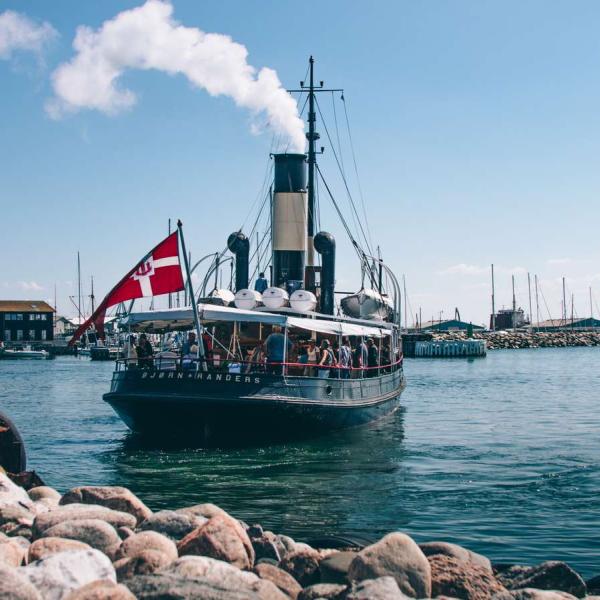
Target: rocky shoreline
{"type": "Point", "coordinates": [523, 339]}
{"type": "Point", "coordinates": [104, 543]}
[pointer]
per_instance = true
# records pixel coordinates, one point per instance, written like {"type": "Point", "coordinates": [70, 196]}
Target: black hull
{"type": "Point", "coordinates": [209, 408]}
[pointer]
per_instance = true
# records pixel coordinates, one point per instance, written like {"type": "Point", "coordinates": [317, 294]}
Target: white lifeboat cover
{"type": "Point", "coordinates": [275, 297]}
{"type": "Point", "coordinates": [303, 301]}
{"type": "Point", "coordinates": [224, 295]}
{"type": "Point", "coordinates": [248, 299]}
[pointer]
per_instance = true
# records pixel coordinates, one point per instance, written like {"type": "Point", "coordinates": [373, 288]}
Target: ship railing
{"type": "Point", "coordinates": [240, 367]}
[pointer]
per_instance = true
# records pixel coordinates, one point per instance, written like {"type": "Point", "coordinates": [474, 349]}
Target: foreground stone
{"type": "Point", "coordinates": [15, 586]}
{"type": "Point", "coordinates": [77, 512]}
{"type": "Point", "coordinates": [173, 524]}
{"type": "Point", "coordinates": [455, 551]}
{"type": "Point", "coordinates": [101, 590]}
{"type": "Point", "coordinates": [11, 554]}
{"type": "Point", "coordinates": [168, 586]}
{"type": "Point", "coordinates": [59, 574]}
{"type": "Point", "coordinates": [148, 540]}
{"type": "Point", "coordinates": [44, 492]}
{"type": "Point", "coordinates": [12, 494]}
{"type": "Point", "coordinates": [221, 537]}
{"type": "Point", "coordinates": [144, 562]}
{"type": "Point", "coordinates": [303, 566]}
{"type": "Point", "coordinates": [550, 575]}
{"type": "Point", "coordinates": [454, 577]}
{"type": "Point", "coordinates": [48, 546]}
{"type": "Point", "coordinates": [398, 556]}
{"type": "Point", "coordinates": [334, 568]}
{"type": "Point", "coordinates": [283, 580]}
{"type": "Point", "coordinates": [382, 588]}
{"type": "Point", "coordinates": [531, 594]}
{"type": "Point", "coordinates": [113, 497]}
{"type": "Point", "coordinates": [323, 591]}
{"type": "Point", "coordinates": [93, 532]}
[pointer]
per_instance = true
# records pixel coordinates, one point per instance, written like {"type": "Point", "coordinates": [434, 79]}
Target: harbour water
{"type": "Point", "coordinates": [500, 454]}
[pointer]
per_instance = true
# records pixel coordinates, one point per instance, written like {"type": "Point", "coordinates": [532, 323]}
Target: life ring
{"type": "Point", "coordinates": [13, 458]}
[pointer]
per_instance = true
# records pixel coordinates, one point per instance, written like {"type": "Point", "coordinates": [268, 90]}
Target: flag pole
{"type": "Point", "coordinates": [201, 354]}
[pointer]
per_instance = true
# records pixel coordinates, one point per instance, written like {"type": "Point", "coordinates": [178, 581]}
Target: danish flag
{"type": "Point", "coordinates": [159, 272]}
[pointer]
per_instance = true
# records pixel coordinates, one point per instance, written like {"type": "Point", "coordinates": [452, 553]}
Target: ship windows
{"type": "Point", "coordinates": [19, 335]}
{"type": "Point", "coordinates": [7, 335]}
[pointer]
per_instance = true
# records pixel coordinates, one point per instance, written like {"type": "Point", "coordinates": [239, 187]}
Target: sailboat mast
{"type": "Point", "coordinates": [564, 311]}
{"type": "Point", "coordinates": [530, 309]}
{"type": "Point", "coordinates": [92, 297]}
{"type": "Point", "coordinates": [514, 305]}
{"type": "Point", "coordinates": [79, 286]}
{"type": "Point", "coordinates": [537, 301]}
{"type": "Point", "coordinates": [493, 323]}
{"type": "Point", "coordinates": [312, 137]}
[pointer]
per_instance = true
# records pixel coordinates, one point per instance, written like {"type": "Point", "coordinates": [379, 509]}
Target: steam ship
{"type": "Point", "coordinates": [230, 393]}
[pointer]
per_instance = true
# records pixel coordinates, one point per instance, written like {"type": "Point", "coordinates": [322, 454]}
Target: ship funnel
{"type": "Point", "coordinates": [325, 246]}
{"type": "Point", "coordinates": [289, 221]}
{"type": "Point", "coordinates": [239, 244]}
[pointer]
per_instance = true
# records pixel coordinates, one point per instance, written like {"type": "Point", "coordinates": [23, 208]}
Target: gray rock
{"type": "Point", "coordinates": [113, 497]}
{"type": "Point", "coordinates": [147, 540]}
{"type": "Point", "coordinates": [169, 586]}
{"type": "Point", "coordinates": [15, 513]}
{"type": "Point", "coordinates": [207, 510]}
{"type": "Point", "coordinates": [14, 586]}
{"type": "Point", "coordinates": [550, 575]}
{"type": "Point", "coordinates": [398, 556]}
{"type": "Point", "coordinates": [266, 546]}
{"type": "Point", "coordinates": [382, 588]}
{"type": "Point", "coordinates": [173, 524]}
{"type": "Point", "coordinates": [76, 512]}
{"type": "Point", "coordinates": [303, 566]}
{"type": "Point", "coordinates": [11, 554]}
{"type": "Point", "coordinates": [532, 594]}
{"type": "Point", "coordinates": [61, 573]}
{"type": "Point", "coordinates": [11, 493]}
{"type": "Point", "coordinates": [94, 532]}
{"type": "Point", "coordinates": [323, 591]}
{"type": "Point", "coordinates": [334, 568]}
{"type": "Point", "coordinates": [456, 551]}
{"type": "Point", "coordinates": [144, 562]}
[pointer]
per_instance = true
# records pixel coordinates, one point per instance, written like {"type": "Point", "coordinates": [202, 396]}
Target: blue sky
{"type": "Point", "coordinates": [476, 127]}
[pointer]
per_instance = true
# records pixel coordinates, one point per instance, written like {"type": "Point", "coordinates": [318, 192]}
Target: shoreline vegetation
{"type": "Point", "coordinates": [515, 340]}
{"type": "Point", "coordinates": [105, 543]}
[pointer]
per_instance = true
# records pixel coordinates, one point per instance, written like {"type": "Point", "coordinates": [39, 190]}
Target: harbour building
{"type": "Point", "coordinates": [26, 321]}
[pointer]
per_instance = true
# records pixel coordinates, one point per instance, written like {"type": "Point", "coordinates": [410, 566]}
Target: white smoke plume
{"type": "Point", "coordinates": [147, 37]}
{"type": "Point", "coordinates": [19, 32]}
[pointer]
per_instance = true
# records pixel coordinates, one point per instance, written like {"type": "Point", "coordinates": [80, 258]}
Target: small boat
{"type": "Point", "coordinates": [25, 353]}
{"type": "Point", "coordinates": [367, 304]}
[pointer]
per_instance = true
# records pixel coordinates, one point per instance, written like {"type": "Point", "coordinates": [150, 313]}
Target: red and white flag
{"type": "Point", "coordinates": [159, 272]}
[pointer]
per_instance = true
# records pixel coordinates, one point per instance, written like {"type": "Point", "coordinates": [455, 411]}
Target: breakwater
{"type": "Point", "coordinates": [104, 542]}
{"type": "Point", "coordinates": [525, 339]}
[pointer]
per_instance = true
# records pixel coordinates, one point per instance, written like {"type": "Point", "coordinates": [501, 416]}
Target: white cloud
{"type": "Point", "coordinates": [30, 286]}
{"type": "Point", "coordinates": [147, 37]}
{"type": "Point", "coordinates": [19, 33]}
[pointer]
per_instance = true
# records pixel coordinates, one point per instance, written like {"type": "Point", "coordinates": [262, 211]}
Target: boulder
{"type": "Point", "coordinates": [531, 594]}
{"type": "Point", "coordinates": [221, 537]}
{"type": "Point", "coordinates": [550, 575]}
{"type": "Point", "coordinates": [208, 511]}
{"type": "Point", "coordinates": [15, 513]}
{"type": "Point", "coordinates": [147, 540]}
{"type": "Point", "coordinates": [101, 590]}
{"type": "Point", "coordinates": [334, 568]}
{"type": "Point", "coordinates": [593, 585]}
{"type": "Point", "coordinates": [48, 546]}
{"type": "Point", "coordinates": [16, 530]}
{"type": "Point", "coordinates": [125, 532]}
{"type": "Point", "coordinates": [458, 578]}
{"type": "Point", "coordinates": [266, 546]}
{"type": "Point", "coordinates": [382, 588]}
{"type": "Point", "coordinates": [398, 556]}
{"type": "Point", "coordinates": [15, 586]}
{"type": "Point", "coordinates": [11, 554]}
{"type": "Point", "coordinates": [76, 512]}
{"type": "Point", "coordinates": [61, 573]}
{"type": "Point", "coordinates": [283, 580]}
{"type": "Point", "coordinates": [173, 524]}
{"type": "Point", "coordinates": [44, 491]}
{"type": "Point", "coordinates": [456, 551]}
{"type": "Point", "coordinates": [143, 562]}
{"type": "Point", "coordinates": [286, 545]}
{"type": "Point", "coordinates": [169, 586]}
{"type": "Point", "coordinates": [303, 566]}
{"type": "Point", "coordinates": [217, 571]}
{"type": "Point", "coordinates": [113, 497]}
{"type": "Point", "coordinates": [11, 493]}
{"type": "Point", "coordinates": [323, 591]}
{"type": "Point", "coordinates": [94, 532]}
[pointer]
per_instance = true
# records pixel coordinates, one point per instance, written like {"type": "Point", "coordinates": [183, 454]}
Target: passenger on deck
{"type": "Point", "coordinates": [372, 358]}
{"type": "Point", "coordinates": [345, 357]}
{"type": "Point", "coordinates": [256, 360]}
{"type": "Point", "coordinates": [189, 351]}
{"type": "Point", "coordinates": [313, 358]}
{"type": "Point", "coordinates": [261, 283]}
{"type": "Point", "coordinates": [130, 352]}
{"type": "Point", "coordinates": [326, 360]}
{"type": "Point", "coordinates": [275, 346]}
{"type": "Point", "coordinates": [145, 352]}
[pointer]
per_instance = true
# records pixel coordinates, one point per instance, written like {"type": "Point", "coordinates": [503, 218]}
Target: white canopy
{"type": "Point", "coordinates": [177, 319]}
